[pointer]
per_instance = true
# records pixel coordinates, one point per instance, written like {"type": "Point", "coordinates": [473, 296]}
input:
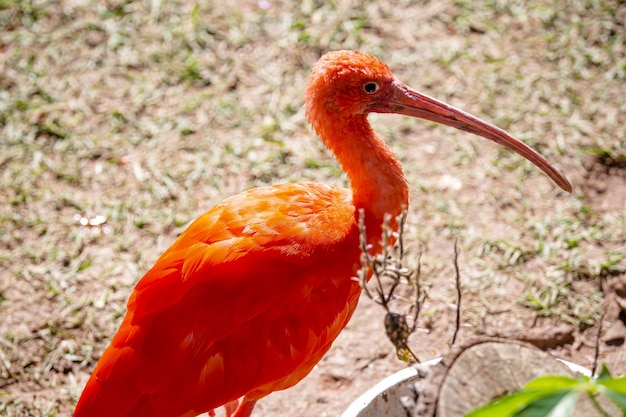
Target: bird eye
{"type": "Point", "coordinates": [370, 87]}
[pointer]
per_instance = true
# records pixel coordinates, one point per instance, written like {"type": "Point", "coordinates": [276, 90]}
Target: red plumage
{"type": "Point", "coordinates": [251, 296]}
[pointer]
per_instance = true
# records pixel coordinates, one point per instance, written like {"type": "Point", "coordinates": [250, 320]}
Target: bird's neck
{"type": "Point", "coordinates": [378, 183]}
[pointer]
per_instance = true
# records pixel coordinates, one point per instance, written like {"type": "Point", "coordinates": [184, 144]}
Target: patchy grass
{"type": "Point", "coordinates": [122, 121]}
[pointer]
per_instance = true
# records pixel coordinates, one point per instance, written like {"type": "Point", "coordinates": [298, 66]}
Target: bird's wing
{"type": "Point", "coordinates": [249, 257]}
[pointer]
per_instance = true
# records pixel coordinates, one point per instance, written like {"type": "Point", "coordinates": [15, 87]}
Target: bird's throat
{"type": "Point", "coordinates": [376, 178]}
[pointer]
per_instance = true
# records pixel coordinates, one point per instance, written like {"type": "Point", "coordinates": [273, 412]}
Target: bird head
{"type": "Point", "coordinates": [346, 84]}
{"type": "Point", "coordinates": [349, 83]}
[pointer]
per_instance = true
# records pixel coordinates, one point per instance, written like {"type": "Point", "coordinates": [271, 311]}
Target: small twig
{"type": "Point", "coordinates": [419, 298]}
{"type": "Point", "coordinates": [383, 264]}
{"type": "Point", "coordinates": [372, 360]}
{"type": "Point", "coordinates": [389, 266]}
{"type": "Point", "coordinates": [458, 291]}
{"type": "Point", "coordinates": [596, 353]}
{"type": "Point", "coordinates": [366, 259]}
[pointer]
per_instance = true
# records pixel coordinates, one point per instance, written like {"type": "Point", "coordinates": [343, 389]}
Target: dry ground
{"type": "Point", "coordinates": [122, 121]}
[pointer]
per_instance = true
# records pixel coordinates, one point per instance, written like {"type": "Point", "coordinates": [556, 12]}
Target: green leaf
{"type": "Point", "coordinates": [552, 383]}
{"type": "Point", "coordinates": [528, 403]}
{"type": "Point", "coordinates": [614, 384]}
{"type": "Point", "coordinates": [545, 396]}
{"type": "Point", "coordinates": [559, 404]}
{"type": "Point", "coordinates": [604, 373]}
{"type": "Point", "coordinates": [618, 398]}
{"type": "Point", "coordinates": [615, 389]}
{"type": "Point", "coordinates": [506, 406]}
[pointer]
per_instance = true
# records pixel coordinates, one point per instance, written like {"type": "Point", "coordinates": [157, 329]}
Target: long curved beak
{"type": "Point", "coordinates": [412, 103]}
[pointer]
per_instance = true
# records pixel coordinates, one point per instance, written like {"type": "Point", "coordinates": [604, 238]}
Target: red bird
{"type": "Point", "coordinates": [252, 295]}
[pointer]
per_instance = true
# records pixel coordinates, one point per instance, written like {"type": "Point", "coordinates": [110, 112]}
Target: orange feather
{"type": "Point", "coordinates": [251, 296]}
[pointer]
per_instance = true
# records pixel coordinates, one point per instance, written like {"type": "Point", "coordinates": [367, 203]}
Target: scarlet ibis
{"type": "Point", "coordinates": [252, 295]}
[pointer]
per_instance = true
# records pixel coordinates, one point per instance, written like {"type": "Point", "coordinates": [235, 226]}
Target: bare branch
{"type": "Point", "coordinates": [388, 266]}
{"type": "Point", "coordinates": [366, 259]}
{"type": "Point", "coordinates": [419, 297]}
{"type": "Point", "coordinates": [596, 353]}
{"type": "Point", "coordinates": [458, 291]}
